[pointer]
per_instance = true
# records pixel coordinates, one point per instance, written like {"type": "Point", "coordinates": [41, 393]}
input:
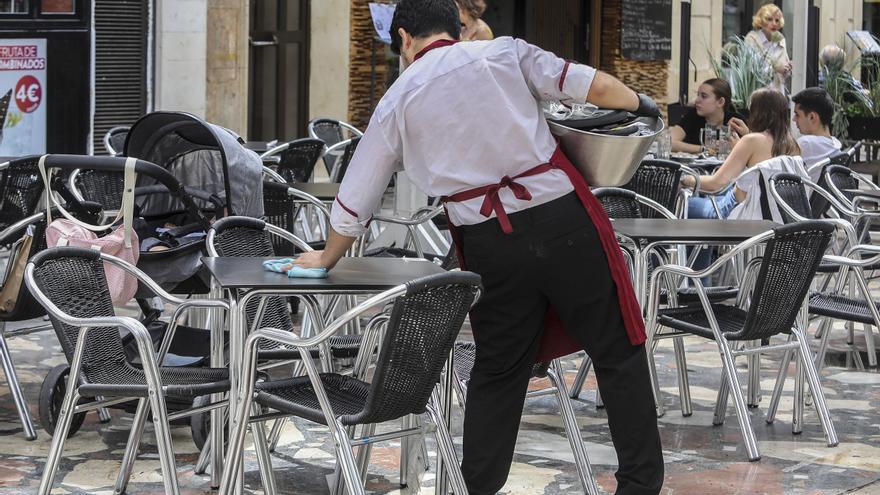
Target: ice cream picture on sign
{"type": "Point", "coordinates": [23, 65]}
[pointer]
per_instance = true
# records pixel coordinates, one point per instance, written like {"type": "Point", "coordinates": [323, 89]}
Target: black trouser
{"type": "Point", "coordinates": [552, 257]}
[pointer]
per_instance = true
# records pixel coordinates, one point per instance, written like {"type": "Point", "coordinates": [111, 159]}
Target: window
{"type": "Point", "coordinates": [14, 6]}
{"type": "Point", "coordinates": [57, 7]}
{"type": "Point", "coordinates": [871, 17]}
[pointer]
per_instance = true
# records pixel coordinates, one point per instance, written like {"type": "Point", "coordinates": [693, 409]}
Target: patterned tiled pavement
{"type": "Point", "coordinates": [700, 458]}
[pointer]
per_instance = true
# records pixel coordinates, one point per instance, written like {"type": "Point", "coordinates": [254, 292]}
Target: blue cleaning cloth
{"type": "Point", "coordinates": [277, 266]}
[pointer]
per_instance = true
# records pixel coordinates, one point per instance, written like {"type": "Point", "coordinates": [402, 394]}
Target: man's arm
{"type": "Point", "coordinates": [335, 248]}
{"type": "Point", "coordinates": [608, 92]}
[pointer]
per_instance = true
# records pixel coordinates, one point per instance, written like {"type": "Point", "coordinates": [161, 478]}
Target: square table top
{"type": "Point", "coordinates": [349, 275]}
{"type": "Point", "coordinates": [325, 191]}
{"type": "Point", "coordinates": [695, 230]}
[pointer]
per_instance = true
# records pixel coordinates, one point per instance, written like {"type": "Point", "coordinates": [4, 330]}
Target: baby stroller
{"type": "Point", "coordinates": [187, 206]}
{"type": "Point", "coordinates": [214, 168]}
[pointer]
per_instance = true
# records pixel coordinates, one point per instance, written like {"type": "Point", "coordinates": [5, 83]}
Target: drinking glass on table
{"type": "Point", "coordinates": [709, 141]}
{"type": "Point", "coordinates": [723, 144]}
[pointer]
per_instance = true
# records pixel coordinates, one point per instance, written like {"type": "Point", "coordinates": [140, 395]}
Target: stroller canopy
{"type": "Point", "coordinates": [200, 155]}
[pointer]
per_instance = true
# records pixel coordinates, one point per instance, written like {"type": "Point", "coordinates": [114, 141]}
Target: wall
{"type": "Point", "coordinates": [226, 64]}
{"type": "Point", "coordinates": [329, 62]}
{"type": "Point", "coordinates": [181, 39]}
{"type": "Point", "coordinates": [838, 17]}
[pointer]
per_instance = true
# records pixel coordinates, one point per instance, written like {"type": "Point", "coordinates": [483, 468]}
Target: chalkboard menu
{"type": "Point", "coordinates": [646, 30]}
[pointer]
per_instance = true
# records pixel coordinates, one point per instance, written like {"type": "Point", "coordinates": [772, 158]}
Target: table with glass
{"type": "Point", "coordinates": [244, 279]}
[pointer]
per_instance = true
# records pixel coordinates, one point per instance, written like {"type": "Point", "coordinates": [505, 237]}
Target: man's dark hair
{"type": "Point", "coordinates": [421, 18]}
{"type": "Point", "coordinates": [816, 100]}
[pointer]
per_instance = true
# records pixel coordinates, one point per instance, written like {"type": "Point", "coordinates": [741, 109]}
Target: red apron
{"type": "Point", "coordinates": [555, 341]}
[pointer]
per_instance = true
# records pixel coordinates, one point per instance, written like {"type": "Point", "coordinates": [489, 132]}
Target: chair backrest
{"type": "Point", "coordinates": [280, 209]}
{"type": "Point", "coordinates": [99, 186]}
{"type": "Point", "coordinates": [422, 329]}
{"type": "Point", "coordinates": [114, 140]}
{"type": "Point", "coordinates": [21, 188]}
{"type": "Point", "coordinates": [73, 280]}
{"type": "Point", "coordinates": [842, 178]}
{"type": "Point", "coordinates": [819, 204]}
{"type": "Point", "coordinates": [789, 263]}
{"type": "Point", "coordinates": [623, 203]}
{"type": "Point", "coordinates": [619, 203]}
{"type": "Point", "coordinates": [331, 131]}
{"type": "Point", "coordinates": [338, 171]}
{"type": "Point", "coordinates": [244, 236]}
{"type": "Point", "coordinates": [793, 192]}
{"type": "Point", "coordinates": [297, 161]}
{"type": "Point", "coordinates": [658, 180]}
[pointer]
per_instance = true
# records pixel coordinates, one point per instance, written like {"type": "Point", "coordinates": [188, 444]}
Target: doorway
{"type": "Point", "coordinates": [279, 70]}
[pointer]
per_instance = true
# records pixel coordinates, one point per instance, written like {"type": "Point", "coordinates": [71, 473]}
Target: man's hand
{"type": "Point", "coordinates": [738, 126]}
{"type": "Point", "coordinates": [647, 106]}
{"type": "Point", "coordinates": [688, 181]}
{"type": "Point", "coordinates": [311, 259]}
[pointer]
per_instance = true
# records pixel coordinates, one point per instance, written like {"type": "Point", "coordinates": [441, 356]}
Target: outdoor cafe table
{"type": "Point", "coordinates": [246, 279]}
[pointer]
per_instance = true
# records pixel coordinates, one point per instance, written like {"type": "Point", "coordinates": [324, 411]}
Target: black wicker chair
{"type": "Point", "coordinates": [345, 150]}
{"type": "Point", "coordinates": [845, 301]}
{"type": "Point", "coordinates": [464, 357]}
{"type": "Point", "coordinates": [21, 188]}
{"type": "Point", "coordinates": [777, 285]}
{"type": "Point", "coordinates": [70, 284]}
{"type": "Point", "coordinates": [295, 161]}
{"type": "Point", "coordinates": [98, 186]}
{"type": "Point", "coordinates": [114, 140]}
{"type": "Point", "coordinates": [332, 131]}
{"type": "Point", "coordinates": [840, 181]}
{"type": "Point", "coordinates": [425, 319]}
{"type": "Point", "coordinates": [283, 206]}
{"type": "Point", "coordinates": [658, 180]}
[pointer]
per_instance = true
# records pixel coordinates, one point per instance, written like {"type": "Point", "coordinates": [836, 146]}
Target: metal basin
{"type": "Point", "coordinates": [605, 160]}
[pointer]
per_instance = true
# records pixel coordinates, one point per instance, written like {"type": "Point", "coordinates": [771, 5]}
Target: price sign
{"type": "Point", "coordinates": [22, 97]}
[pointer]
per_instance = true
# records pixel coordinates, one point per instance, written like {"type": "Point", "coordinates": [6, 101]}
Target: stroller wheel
{"type": "Point", "coordinates": [51, 396]}
{"type": "Point", "coordinates": [200, 423]}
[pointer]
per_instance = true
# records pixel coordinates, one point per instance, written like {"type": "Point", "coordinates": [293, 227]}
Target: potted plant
{"type": "Point", "coordinates": [855, 107]}
{"type": "Point", "coordinates": [745, 68]}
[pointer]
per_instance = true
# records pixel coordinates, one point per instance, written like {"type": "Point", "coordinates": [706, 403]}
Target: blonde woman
{"type": "Point", "coordinates": [767, 38]}
{"type": "Point", "coordinates": [472, 27]}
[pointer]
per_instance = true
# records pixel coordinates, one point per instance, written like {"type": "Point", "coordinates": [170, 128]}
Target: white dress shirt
{"type": "Point", "coordinates": [815, 149]}
{"type": "Point", "coordinates": [461, 117]}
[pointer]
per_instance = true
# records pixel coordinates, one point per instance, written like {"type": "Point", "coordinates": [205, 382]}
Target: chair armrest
{"type": "Point", "coordinates": [849, 262]}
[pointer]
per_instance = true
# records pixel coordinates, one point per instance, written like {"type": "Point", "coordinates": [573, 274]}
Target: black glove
{"type": "Point", "coordinates": [647, 107]}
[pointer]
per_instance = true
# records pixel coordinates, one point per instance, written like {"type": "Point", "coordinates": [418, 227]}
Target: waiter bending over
{"type": "Point", "coordinates": [465, 122]}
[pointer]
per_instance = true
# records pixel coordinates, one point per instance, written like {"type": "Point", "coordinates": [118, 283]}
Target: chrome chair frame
{"type": "Point", "coordinates": [339, 432]}
{"type": "Point", "coordinates": [149, 359]}
{"type": "Point", "coordinates": [730, 382]}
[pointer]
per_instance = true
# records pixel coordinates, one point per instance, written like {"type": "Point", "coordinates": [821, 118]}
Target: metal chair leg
{"type": "Point", "coordinates": [131, 449]}
{"type": "Point", "coordinates": [652, 371]}
{"type": "Point", "coordinates": [721, 401]}
{"type": "Point", "coordinates": [275, 433]}
{"type": "Point", "coordinates": [65, 416]}
{"type": "Point", "coordinates": [339, 487]}
{"type": "Point", "coordinates": [445, 447]}
{"type": "Point", "coordinates": [797, 409]}
{"type": "Point", "coordinates": [104, 415]}
{"type": "Point", "coordinates": [572, 430]}
{"type": "Point", "coordinates": [812, 376]}
{"type": "Point", "coordinates": [204, 458]}
{"type": "Point", "coordinates": [404, 451]}
{"type": "Point", "coordinates": [163, 442]}
{"type": "Point", "coordinates": [754, 383]}
{"type": "Point", "coordinates": [777, 389]}
{"type": "Point", "coordinates": [363, 455]}
{"type": "Point", "coordinates": [21, 406]}
{"type": "Point", "coordinates": [346, 461]}
{"type": "Point", "coordinates": [263, 458]}
{"type": "Point", "coordinates": [825, 329]}
{"type": "Point", "coordinates": [581, 377]}
{"type": "Point", "coordinates": [742, 411]}
{"type": "Point", "coordinates": [684, 387]}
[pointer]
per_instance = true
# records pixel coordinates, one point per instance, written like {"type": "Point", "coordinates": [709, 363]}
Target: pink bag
{"type": "Point", "coordinates": [122, 285]}
{"type": "Point", "coordinates": [121, 242]}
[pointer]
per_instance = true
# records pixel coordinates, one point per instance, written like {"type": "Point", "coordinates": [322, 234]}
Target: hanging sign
{"type": "Point", "coordinates": [22, 97]}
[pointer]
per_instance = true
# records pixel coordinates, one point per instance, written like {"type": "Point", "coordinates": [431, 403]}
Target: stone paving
{"type": "Point", "coordinates": [700, 458]}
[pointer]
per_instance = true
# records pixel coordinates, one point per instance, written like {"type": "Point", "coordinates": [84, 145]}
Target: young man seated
{"type": "Point", "coordinates": [813, 110]}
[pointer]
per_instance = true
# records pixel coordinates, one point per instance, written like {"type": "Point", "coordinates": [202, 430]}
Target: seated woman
{"type": "Point", "coordinates": [712, 106]}
{"type": "Point", "coordinates": [473, 28]}
{"type": "Point", "coordinates": [770, 138]}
